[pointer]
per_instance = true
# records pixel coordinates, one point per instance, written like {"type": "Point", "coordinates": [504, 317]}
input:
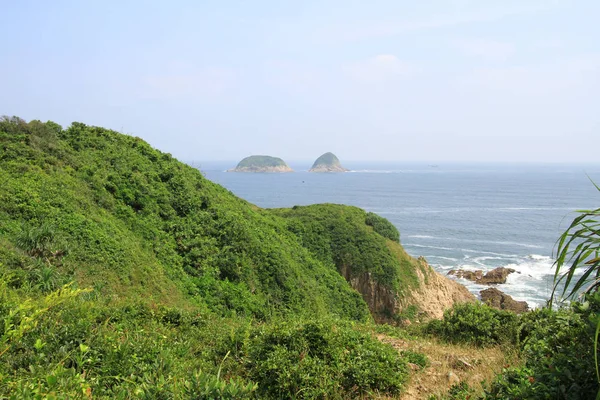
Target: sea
{"type": "Point", "coordinates": [457, 216]}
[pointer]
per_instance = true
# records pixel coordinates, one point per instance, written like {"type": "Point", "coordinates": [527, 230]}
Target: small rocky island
{"type": "Point", "coordinates": [328, 162]}
{"type": "Point", "coordinates": [261, 164]}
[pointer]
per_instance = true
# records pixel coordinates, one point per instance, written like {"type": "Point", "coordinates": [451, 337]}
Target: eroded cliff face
{"type": "Point", "coordinates": [381, 300]}
{"type": "Point", "coordinates": [434, 294]}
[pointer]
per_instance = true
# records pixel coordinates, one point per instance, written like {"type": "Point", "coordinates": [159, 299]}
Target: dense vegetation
{"type": "Point", "coordinates": [555, 347]}
{"type": "Point", "coordinates": [382, 226]}
{"type": "Point", "coordinates": [111, 213]}
{"type": "Point", "coordinates": [326, 159]}
{"type": "Point", "coordinates": [475, 324]}
{"type": "Point", "coordinates": [126, 274]}
{"type": "Point", "coordinates": [176, 286]}
{"type": "Point", "coordinates": [258, 162]}
{"type": "Point", "coordinates": [353, 241]}
{"type": "Point", "coordinates": [327, 162]}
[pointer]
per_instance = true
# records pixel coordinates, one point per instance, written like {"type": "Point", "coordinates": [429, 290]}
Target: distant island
{"type": "Point", "coordinates": [261, 164]}
{"type": "Point", "coordinates": [328, 162]}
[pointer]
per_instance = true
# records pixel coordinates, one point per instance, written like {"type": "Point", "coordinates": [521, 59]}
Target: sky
{"type": "Point", "coordinates": [379, 80]}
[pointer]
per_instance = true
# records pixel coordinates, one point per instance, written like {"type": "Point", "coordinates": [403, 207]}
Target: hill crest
{"type": "Point", "coordinates": [327, 162]}
{"type": "Point", "coordinates": [258, 163]}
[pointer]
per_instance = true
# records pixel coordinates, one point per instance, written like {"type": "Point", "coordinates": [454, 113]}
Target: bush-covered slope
{"type": "Point", "coordinates": [338, 235]}
{"type": "Point", "coordinates": [359, 245]}
{"type": "Point", "coordinates": [126, 274]}
{"type": "Point", "coordinates": [131, 222]}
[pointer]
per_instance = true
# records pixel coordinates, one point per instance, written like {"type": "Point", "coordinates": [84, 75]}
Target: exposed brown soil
{"type": "Point", "coordinates": [449, 364]}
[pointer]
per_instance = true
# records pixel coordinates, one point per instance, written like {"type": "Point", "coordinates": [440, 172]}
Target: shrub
{"type": "Point", "coordinates": [458, 391]}
{"type": "Point", "coordinates": [321, 360]}
{"type": "Point", "coordinates": [416, 358]}
{"type": "Point", "coordinates": [559, 356]}
{"type": "Point", "coordinates": [207, 387]}
{"type": "Point", "coordinates": [475, 323]}
{"type": "Point", "coordinates": [382, 226]}
{"type": "Point", "coordinates": [37, 241]}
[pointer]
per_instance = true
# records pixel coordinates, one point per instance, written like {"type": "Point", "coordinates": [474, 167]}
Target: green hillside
{"type": "Point", "coordinates": [125, 274]}
{"type": "Point", "coordinates": [347, 238]}
{"type": "Point", "coordinates": [134, 222]}
{"type": "Point", "coordinates": [147, 244]}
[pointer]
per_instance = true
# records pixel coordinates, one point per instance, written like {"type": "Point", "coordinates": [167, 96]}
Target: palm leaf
{"type": "Point", "coordinates": [578, 250]}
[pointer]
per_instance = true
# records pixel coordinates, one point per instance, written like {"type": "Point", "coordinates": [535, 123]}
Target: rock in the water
{"type": "Point", "coordinates": [495, 298]}
{"type": "Point", "coordinates": [493, 277]}
{"type": "Point", "coordinates": [328, 162]}
{"type": "Point", "coordinates": [261, 164]}
{"type": "Point", "coordinates": [466, 274]}
{"type": "Point", "coordinates": [496, 276]}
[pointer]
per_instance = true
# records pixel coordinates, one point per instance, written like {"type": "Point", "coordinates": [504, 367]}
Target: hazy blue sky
{"type": "Point", "coordinates": [382, 79]}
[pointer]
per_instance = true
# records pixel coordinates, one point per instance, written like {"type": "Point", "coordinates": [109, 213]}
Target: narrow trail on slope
{"type": "Point", "coordinates": [449, 364]}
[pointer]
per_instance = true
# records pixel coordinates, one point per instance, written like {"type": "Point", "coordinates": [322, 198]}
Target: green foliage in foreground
{"type": "Point", "coordinates": [458, 391]}
{"type": "Point", "coordinates": [79, 347]}
{"type": "Point", "coordinates": [321, 360]}
{"type": "Point", "coordinates": [476, 324]}
{"type": "Point", "coordinates": [579, 252]}
{"type": "Point", "coordinates": [558, 350]}
{"type": "Point", "coordinates": [556, 347]}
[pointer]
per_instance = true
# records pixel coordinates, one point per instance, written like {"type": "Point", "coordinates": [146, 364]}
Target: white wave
{"type": "Point", "coordinates": [408, 212]}
{"type": "Point", "coordinates": [441, 258]}
{"type": "Point", "coordinates": [488, 252]}
{"type": "Point", "coordinates": [519, 244]}
{"type": "Point", "coordinates": [427, 247]}
{"type": "Point", "coordinates": [472, 251]}
{"type": "Point", "coordinates": [482, 261]}
{"type": "Point", "coordinates": [534, 209]}
{"type": "Point", "coordinates": [532, 268]}
{"type": "Point", "coordinates": [539, 257]}
{"type": "Point", "coordinates": [443, 267]}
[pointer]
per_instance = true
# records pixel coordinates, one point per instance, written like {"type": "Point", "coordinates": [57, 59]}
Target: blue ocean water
{"type": "Point", "coordinates": [478, 216]}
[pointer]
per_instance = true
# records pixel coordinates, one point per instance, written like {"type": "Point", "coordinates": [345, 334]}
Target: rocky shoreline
{"type": "Point", "coordinates": [492, 296]}
{"type": "Point", "coordinates": [494, 277]}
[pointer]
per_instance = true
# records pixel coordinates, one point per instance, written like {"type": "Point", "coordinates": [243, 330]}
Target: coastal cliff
{"type": "Point", "coordinates": [430, 297]}
{"type": "Point", "coordinates": [365, 249]}
{"type": "Point", "coordinates": [436, 293]}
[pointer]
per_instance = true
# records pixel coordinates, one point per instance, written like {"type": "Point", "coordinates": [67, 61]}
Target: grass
{"type": "Point", "coordinates": [445, 358]}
